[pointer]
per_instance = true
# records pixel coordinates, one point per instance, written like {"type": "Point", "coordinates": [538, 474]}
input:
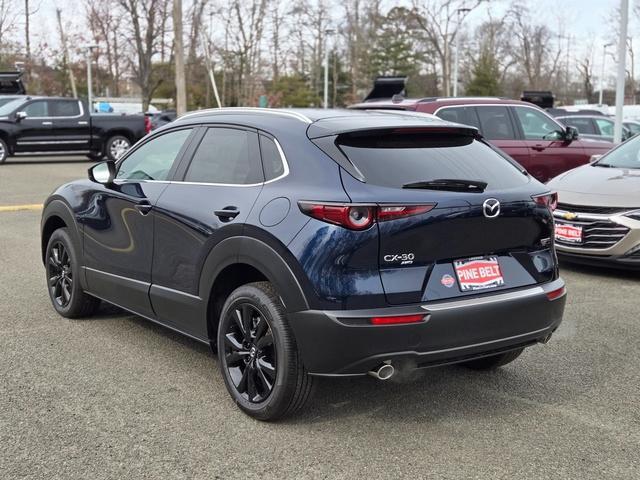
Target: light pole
{"type": "Point", "coordinates": [327, 32]}
{"type": "Point", "coordinates": [622, 57]}
{"type": "Point", "coordinates": [604, 61]}
{"type": "Point", "coordinates": [456, 59]}
{"type": "Point", "coordinates": [89, 79]}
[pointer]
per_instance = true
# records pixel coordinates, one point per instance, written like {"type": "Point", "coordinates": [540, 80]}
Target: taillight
{"type": "Point", "coordinates": [549, 200]}
{"type": "Point", "coordinates": [359, 216]}
{"type": "Point", "coordinates": [557, 293]}
{"type": "Point", "coordinates": [147, 124]}
{"type": "Point", "coordinates": [396, 320]}
{"type": "Point", "coordinates": [391, 212]}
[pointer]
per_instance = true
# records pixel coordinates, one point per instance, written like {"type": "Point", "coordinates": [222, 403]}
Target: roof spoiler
{"type": "Point", "coordinates": [11, 83]}
{"type": "Point", "coordinates": [543, 99]}
{"type": "Point", "coordinates": [387, 87]}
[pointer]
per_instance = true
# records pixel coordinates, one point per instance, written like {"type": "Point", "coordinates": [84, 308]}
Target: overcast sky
{"type": "Point", "coordinates": [586, 21]}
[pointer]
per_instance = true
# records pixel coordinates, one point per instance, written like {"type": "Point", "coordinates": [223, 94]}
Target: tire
{"type": "Point", "coordinates": [116, 146]}
{"type": "Point", "coordinates": [267, 357]}
{"type": "Point", "coordinates": [4, 151]}
{"type": "Point", "coordinates": [63, 278]}
{"type": "Point", "coordinates": [95, 156]}
{"type": "Point", "coordinates": [494, 361]}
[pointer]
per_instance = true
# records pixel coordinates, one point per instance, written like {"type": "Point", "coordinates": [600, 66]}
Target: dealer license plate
{"type": "Point", "coordinates": [478, 273]}
{"type": "Point", "coordinates": [568, 233]}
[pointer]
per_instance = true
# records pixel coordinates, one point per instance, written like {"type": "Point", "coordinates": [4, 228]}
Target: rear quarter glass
{"type": "Point", "coordinates": [392, 160]}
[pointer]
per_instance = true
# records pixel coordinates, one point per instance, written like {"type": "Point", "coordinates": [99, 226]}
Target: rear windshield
{"type": "Point", "coordinates": [392, 160]}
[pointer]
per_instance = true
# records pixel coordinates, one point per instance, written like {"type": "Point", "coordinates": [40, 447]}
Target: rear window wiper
{"type": "Point", "coordinates": [449, 185]}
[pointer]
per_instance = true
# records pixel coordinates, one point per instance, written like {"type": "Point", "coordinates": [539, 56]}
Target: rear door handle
{"type": "Point", "coordinates": [47, 123]}
{"type": "Point", "coordinates": [143, 208]}
{"type": "Point", "coordinates": [539, 148]}
{"type": "Point", "coordinates": [227, 213]}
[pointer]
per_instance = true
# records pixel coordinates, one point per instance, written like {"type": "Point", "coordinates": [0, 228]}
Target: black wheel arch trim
{"type": "Point", "coordinates": [56, 207]}
{"type": "Point", "coordinates": [266, 256]}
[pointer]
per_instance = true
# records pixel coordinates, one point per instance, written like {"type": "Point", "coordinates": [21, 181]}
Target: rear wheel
{"type": "Point", "coordinates": [117, 146]}
{"type": "Point", "coordinates": [95, 156]}
{"type": "Point", "coordinates": [4, 151]}
{"type": "Point", "coordinates": [494, 361]}
{"type": "Point", "coordinates": [62, 268]}
{"type": "Point", "coordinates": [258, 356]}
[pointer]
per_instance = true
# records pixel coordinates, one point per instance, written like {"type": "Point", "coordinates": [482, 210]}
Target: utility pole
{"type": "Point", "coordinates": [622, 73]}
{"type": "Point", "coordinates": [27, 39]}
{"type": "Point", "coordinates": [89, 48]}
{"type": "Point", "coordinates": [604, 61]}
{"type": "Point", "coordinates": [181, 88]}
{"type": "Point", "coordinates": [65, 54]}
{"type": "Point", "coordinates": [456, 53]}
{"type": "Point", "coordinates": [327, 32]}
{"type": "Point", "coordinates": [209, 65]}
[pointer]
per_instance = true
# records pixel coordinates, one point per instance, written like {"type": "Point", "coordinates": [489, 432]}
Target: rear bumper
{"type": "Point", "coordinates": [344, 343]}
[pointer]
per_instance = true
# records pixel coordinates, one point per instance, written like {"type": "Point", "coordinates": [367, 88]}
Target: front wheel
{"type": "Point", "coordinates": [63, 273]}
{"type": "Point", "coordinates": [258, 356]}
{"type": "Point", "coordinates": [117, 146]}
{"type": "Point", "coordinates": [494, 361]}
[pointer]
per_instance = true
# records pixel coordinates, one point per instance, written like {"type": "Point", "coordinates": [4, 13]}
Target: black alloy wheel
{"type": "Point", "coordinates": [63, 278]}
{"type": "Point", "coordinates": [60, 274]}
{"type": "Point", "coordinates": [250, 353]}
{"type": "Point", "coordinates": [258, 356]}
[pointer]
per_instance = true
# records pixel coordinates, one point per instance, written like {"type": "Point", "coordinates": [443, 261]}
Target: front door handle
{"type": "Point", "coordinates": [143, 208]}
{"type": "Point", "coordinates": [47, 123]}
{"type": "Point", "coordinates": [538, 148]}
{"type": "Point", "coordinates": [227, 213]}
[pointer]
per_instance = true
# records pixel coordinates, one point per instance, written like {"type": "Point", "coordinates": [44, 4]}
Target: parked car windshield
{"type": "Point", "coordinates": [10, 106]}
{"type": "Point", "coordinates": [626, 155]}
{"type": "Point", "coordinates": [393, 160]}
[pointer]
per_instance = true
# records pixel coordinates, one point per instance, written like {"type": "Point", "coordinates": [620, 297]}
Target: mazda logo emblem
{"type": "Point", "coordinates": [491, 208]}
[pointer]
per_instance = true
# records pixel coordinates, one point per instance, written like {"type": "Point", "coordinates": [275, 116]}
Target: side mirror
{"type": "Point", "coordinates": [570, 133]}
{"type": "Point", "coordinates": [594, 158]}
{"type": "Point", "coordinates": [103, 172]}
{"type": "Point", "coordinates": [20, 116]}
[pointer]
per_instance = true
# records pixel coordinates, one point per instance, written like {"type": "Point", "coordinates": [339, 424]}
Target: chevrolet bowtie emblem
{"type": "Point", "coordinates": [569, 216]}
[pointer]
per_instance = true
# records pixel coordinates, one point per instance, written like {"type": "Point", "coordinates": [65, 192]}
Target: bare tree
{"type": "Point", "coordinates": [534, 50]}
{"type": "Point", "coordinates": [147, 19]}
{"type": "Point", "coordinates": [439, 21]}
{"type": "Point", "coordinates": [248, 16]}
{"type": "Point", "coordinates": [104, 18]}
{"type": "Point", "coordinates": [8, 17]}
{"type": "Point", "coordinates": [585, 67]}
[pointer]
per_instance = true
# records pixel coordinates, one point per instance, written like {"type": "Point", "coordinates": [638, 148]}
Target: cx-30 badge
{"type": "Point", "coordinates": [491, 208]}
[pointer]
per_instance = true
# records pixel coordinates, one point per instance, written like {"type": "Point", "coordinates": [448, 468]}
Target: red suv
{"type": "Point", "coordinates": [527, 133]}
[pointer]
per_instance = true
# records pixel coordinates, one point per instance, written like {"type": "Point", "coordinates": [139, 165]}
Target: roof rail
{"type": "Point", "coordinates": [232, 110]}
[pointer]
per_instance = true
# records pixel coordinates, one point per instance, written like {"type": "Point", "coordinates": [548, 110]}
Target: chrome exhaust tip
{"type": "Point", "coordinates": [383, 372]}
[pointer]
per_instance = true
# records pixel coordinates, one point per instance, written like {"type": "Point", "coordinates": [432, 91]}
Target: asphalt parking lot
{"type": "Point", "coordinates": [116, 397]}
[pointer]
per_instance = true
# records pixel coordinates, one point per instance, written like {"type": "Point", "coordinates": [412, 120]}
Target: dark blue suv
{"type": "Point", "coordinates": [313, 243]}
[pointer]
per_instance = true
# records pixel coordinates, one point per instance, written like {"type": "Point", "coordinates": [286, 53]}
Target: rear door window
{"type": "Point", "coordinates": [226, 156]}
{"type": "Point", "coordinates": [64, 108]}
{"type": "Point", "coordinates": [392, 160]}
{"type": "Point", "coordinates": [463, 115]}
{"type": "Point", "coordinates": [584, 125]}
{"type": "Point", "coordinates": [495, 123]}
{"type": "Point", "coordinates": [605, 126]}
